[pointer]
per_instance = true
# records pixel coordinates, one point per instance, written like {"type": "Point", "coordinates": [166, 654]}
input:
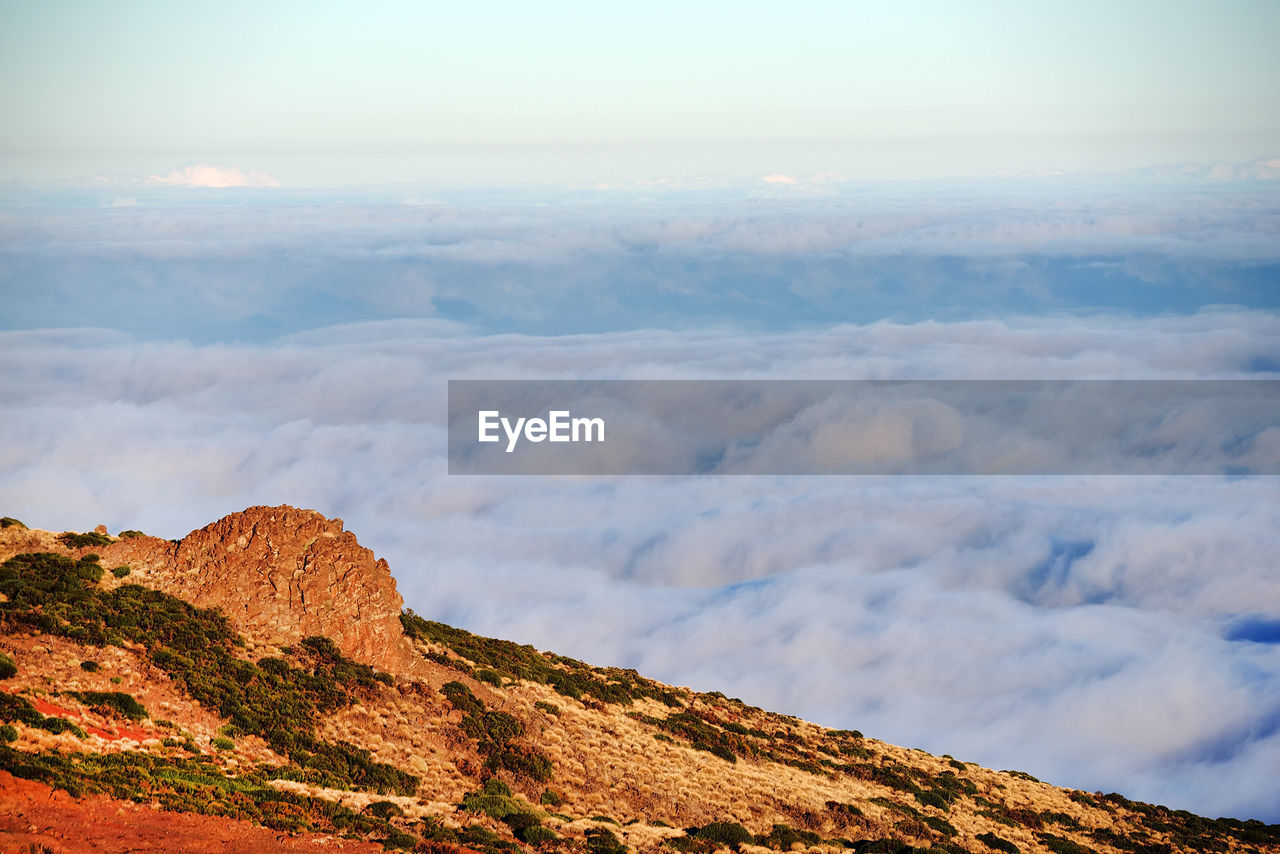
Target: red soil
{"type": "Point", "coordinates": [117, 732]}
{"type": "Point", "coordinates": [34, 817]}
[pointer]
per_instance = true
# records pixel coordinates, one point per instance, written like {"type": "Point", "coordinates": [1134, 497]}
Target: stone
{"type": "Point", "coordinates": [281, 574]}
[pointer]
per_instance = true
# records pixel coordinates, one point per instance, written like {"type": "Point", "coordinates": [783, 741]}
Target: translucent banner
{"type": "Point", "coordinates": [960, 427]}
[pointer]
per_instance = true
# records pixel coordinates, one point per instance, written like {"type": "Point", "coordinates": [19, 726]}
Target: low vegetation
{"type": "Point", "coordinates": [279, 700]}
{"type": "Point", "coordinates": [195, 785]}
{"type": "Point", "coordinates": [491, 658]}
{"type": "Point", "coordinates": [115, 703]}
{"type": "Point", "coordinates": [72, 540]}
{"type": "Point", "coordinates": [496, 735]}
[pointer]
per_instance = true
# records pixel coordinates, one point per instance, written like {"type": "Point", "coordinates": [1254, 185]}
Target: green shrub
{"type": "Point", "coordinates": [932, 799]}
{"type": "Point", "coordinates": [484, 674]}
{"type": "Point", "coordinates": [1062, 845]}
{"type": "Point", "coordinates": [90, 666]}
{"type": "Point", "coordinates": [223, 743]}
{"type": "Point", "coordinates": [549, 708]}
{"type": "Point", "coordinates": [783, 836]}
{"type": "Point", "coordinates": [495, 800]}
{"type": "Point", "coordinates": [10, 522]}
{"type": "Point", "coordinates": [537, 836]}
{"type": "Point", "coordinates": [8, 733]}
{"type": "Point", "coordinates": [941, 825]}
{"type": "Point", "coordinates": [514, 661]}
{"type": "Point", "coordinates": [897, 807]}
{"type": "Point", "coordinates": [8, 667]}
{"type": "Point", "coordinates": [495, 734]}
{"type": "Point", "coordinates": [996, 843]}
{"type": "Point", "coordinates": [520, 822]}
{"type": "Point", "coordinates": [723, 833]}
{"type": "Point", "coordinates": [399, 840]}
{"type": "Point", "coordinates": [130, 534]}
{"type": "Point", "coordinates": [121, 571]}
{"type": "Point", "coordinates": [551, 798]}
{"type": "Point", "coordinates": [72, 540]}
{"type": "Point", "coordinates": [601, 840]}
{"type": "Point", "coordinates": [385, 809]}
{"type": "Point", "coordinates": [112, 702]}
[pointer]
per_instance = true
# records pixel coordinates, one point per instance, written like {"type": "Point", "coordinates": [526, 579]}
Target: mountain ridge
{"type": "Point", "coordinates": [270, 657]}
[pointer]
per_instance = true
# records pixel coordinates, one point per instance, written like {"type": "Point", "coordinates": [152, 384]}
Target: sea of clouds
{"type": "Point", "coordinates": [1105, 632]}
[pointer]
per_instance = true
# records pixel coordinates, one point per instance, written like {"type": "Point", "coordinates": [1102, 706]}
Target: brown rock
{"type": "Point", "coordinates": [280, 574]}
{"type": "Point", "coordinates": [100, 529]}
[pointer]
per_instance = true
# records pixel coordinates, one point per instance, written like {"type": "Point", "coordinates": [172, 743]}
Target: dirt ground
{"type": "Point", "coordinates": [35, 819]}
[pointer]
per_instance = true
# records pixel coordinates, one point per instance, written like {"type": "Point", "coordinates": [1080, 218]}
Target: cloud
{"type": "Point", "coordinates": [209, 175]}
{"type": "Point", "coordinates": [779, 178]}
{"type": "Point", "coordinates": [254, 271]}
{"type": "Point", "coordinates": [1099, 632]}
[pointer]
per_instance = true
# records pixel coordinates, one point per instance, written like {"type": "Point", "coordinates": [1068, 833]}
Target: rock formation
{"type": "Point", "coordinates": [279, 574]}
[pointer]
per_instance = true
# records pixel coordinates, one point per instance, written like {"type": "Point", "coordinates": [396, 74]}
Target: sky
{"type": "Point", "coordinates": [244, 246]}
{"type": "Point", "coordinates": [324, 93]}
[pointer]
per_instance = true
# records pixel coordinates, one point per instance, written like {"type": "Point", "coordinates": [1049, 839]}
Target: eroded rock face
{"type": "Point", "coordinates": [280, 574]}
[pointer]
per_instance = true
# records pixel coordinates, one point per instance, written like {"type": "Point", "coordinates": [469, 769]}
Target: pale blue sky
{"type": "Point", "coordinates": [328, 92]}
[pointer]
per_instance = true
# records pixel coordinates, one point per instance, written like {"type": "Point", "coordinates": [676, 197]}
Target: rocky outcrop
{"type": "Point", "coordinates": [280, 574]}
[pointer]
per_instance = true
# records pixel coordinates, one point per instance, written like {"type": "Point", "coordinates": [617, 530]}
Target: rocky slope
{"type": "Point", "coordinates": [259, 673]}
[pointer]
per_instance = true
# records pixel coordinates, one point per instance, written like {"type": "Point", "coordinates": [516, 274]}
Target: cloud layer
{"type": "Point", "coordinates": [214, 176]}
{"type": "Point", "coordinates": [191, 266]}
{"type": "Point", "coordinates": [1102, 632]}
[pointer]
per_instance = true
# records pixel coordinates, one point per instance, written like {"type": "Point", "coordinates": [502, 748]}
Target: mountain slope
{"type": "Point", "coordinates": [261, 670]}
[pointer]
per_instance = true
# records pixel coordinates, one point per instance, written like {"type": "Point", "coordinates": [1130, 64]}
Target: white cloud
{"type": "Point", "coordinates": [779, 178]}
{"type": "Point", "coordinates": [1071, 627]}
{"type": "Point", "coordinates": [211, 175]}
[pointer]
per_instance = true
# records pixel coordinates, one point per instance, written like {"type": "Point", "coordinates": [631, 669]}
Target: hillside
{"type": "Point", "coordinates": [259, 686]}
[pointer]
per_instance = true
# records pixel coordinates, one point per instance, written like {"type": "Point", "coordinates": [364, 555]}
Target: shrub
{"type": "Point", "coordinates": [941, 825]}
{"type": "Point", "coordinates": [549, 708]}
{"type": "Point", "coordinates": [538, 835]}
{"type": "Point", "coordinates": [932, 799]}
{"type": "Point", "coordinates": [1062, 845]}
{"type": "Point", "coordinates": [601, 840]}
{"type": "Point", "coordinates": [783, 836]}
{"type": "Point", "coordinates": [515, 661]}
{"type": "Point", "coordinates": [110, 702]}
{"type": "Point", "coordinates": [495, 734]}
{"type": "Point", "coordinates": [996, 843]}
{"type": "Point", "coordinates": [8, 733]}
{"type": "Point", "coordinates": [10, 522]}
{"type": "Point", "coordinates": [90, 666]}
{"type": "Point", "coordinates": [384, 809]}
{"type": "Point", "coordinates": [484, 674]}
{"type": "Point", "coordinates": [551, 798]}
{"type": "Point", "coordinates": [494, 799]}
{"type": "Point", "coordinates": [223, 743]}
{"type": "Point", "coordinates": [72, 540]}
{"type": "Point", "coordinates": [126, 535]}
{"type": "Point", "coordinates": [121, 571]}
{"type": "Point", "coordinates": [724, 833]}
{"type": "Point", "coordinates": [8, 667]}
{"type": "Point", "coordinates": [400, 840]}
